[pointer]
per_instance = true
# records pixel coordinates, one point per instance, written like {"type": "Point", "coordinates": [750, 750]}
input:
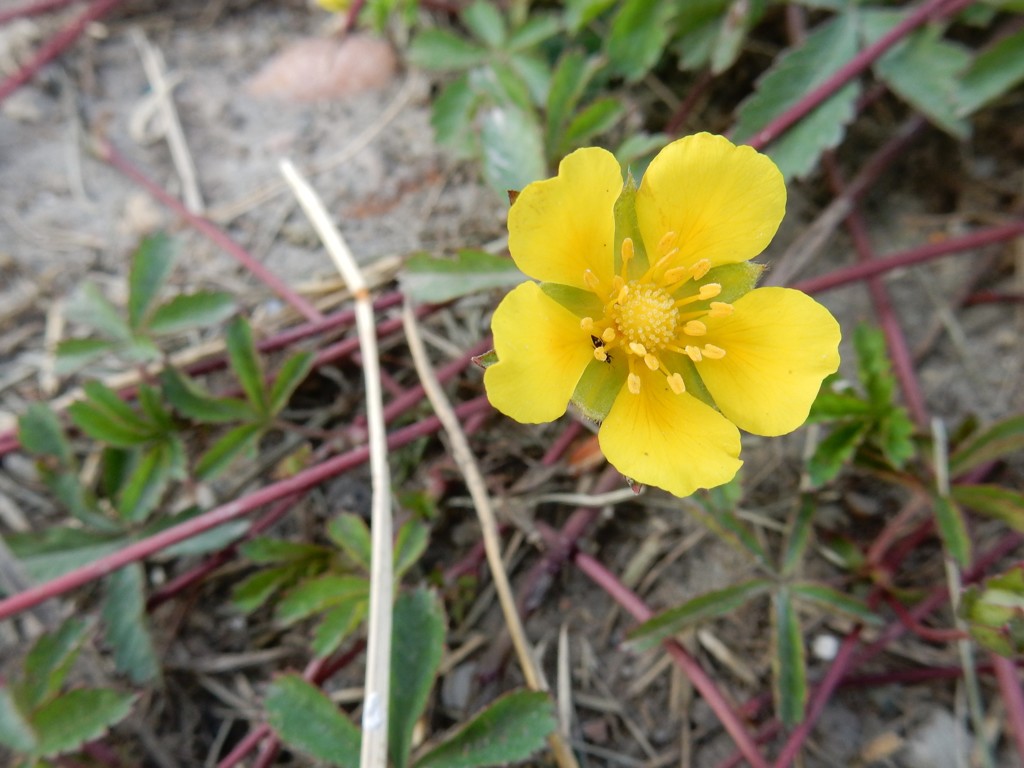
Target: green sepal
{"type": "Point", "coordinates": [487, 359]}
{"type": "Point", "coordinates": [735, 279]}
{"type": "Point", "coordinates": [627, 225]}
{"type": "Point", "coordinates": [598, 387]}
{"type": "Point", "coordinates": [580, 302]}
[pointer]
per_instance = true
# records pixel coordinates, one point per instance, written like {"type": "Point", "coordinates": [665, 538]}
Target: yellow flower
{"type": "Point", "coordinates": [646, 316]}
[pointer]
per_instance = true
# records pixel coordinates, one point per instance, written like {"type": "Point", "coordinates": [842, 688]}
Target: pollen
{"type": "Point", "coordinates": [646, 316]}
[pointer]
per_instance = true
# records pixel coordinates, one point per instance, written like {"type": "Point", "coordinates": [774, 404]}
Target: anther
{"type": "Point", "coordinates": [710, 290]}
{"type": "Point", "coordinates": [587, 324]}
{"type": "Point", "coordinates": [712, 352]}
{"type": "Point", "coordinates": [652, 362]}
{"type": "Point", "coordinates": [695, 328]}
{"type": "Point", "coordinates": [720, 309]}
{"type": "Point", "coordinates": [700, 269]}
{"type": "Point", "coordinates": [608, 336]}
{"type": "Point", "coordinates": [627, 249]}
{"type": "Point", "coordinates": [676, 274]}
{"type": "Point", "coordinates": [666, 242]}
{"type": "Point", "coordinates": [617, 282]}
{"type": "Point", "coordinates": [675, 383]}
{"type": "Point", "coordinates": [637, 348]}
{"type": "Point", "coordinates": [600, 354]}
{"type": "Point", "coordinates": [633, 383]}
{"type": "Point", "coordinates": [591, 280]}
{"type": "Point", "coordinates": [693, 353]}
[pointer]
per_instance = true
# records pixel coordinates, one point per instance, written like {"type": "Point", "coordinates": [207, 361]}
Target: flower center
{"type": "Point", "coordinates": [643, 319]}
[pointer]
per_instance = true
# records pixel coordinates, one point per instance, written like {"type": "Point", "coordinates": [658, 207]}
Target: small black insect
{"type": "Point", "coordinates": [598, 343]}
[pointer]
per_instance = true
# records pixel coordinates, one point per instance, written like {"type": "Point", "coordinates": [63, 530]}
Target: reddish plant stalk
{"type": "Point", "coordinates": [53, 47]}
{"type": "Point", "coordinates": [852, 69]}
{"type": "Point", "coordinates": [562, 443]}
{"type": "Point", "coordinates": [208, 229]}
{"type": "Point", "coordinates": [37, 8]}
{"type": "Point", "coordinates": [899, 352]}
{"type": "Point", "coordinates": [919, 255]}
{"type": "Point", "coordinates": [715, 699]}
{"type": "Point", "coordinates": [220, 515]}
{"type": "Point", "coordinates": [1013, 697]}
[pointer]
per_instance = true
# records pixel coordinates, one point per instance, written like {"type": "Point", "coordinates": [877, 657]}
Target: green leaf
{"type": "Point", "coordinates": [225, 450]}
{"type": "Point", "coordinates": [126, 625]}
{"type": "Point", "coordinates": [306, 720]}
{"type": "Point", "coordinates": [266, 550]}
{"type": "Point", "coordinates": [294, 371]}
{"type": "Point", "coordinates": [410, 544]}
{"type": "Point", "coordinates": [337, 624]}
{"type": "Point", "coordinates": [40, 433]}
{"type": "Point", "coordinates": [251, 593]}
{"type": "Point", "coordinates": [837, 602]}
{"type": "Point", "coordinates": [538, 28]}
{"type": "Point", "coordinates": [794, 73]}
{"type": "Point", "coordinates": [485, 22]}
{"type": "Point", "coordinates": [209, 541]}
{"type": "Point", "coordinates": [995, 612]}
{"type": "Point", "coordinates": [246, 363]}
{"type": "Point", "coordinates": [571, 76]}
{"type": "Point", "coordinates": [98, 424]}
{"type": "Point", "coordinates": [154, 410]}
{"type": "Point", "coordinates": [993, 501]}
{"type": "Point", "coordinates": [57, 550]}
{"type": "Point", "coordinates": [502, 86]}
{"type": "Point", "coordinates": [953, 530]}
{"type": "Point", "coordinates": [740, 18]}
{"type": "Point", "coordinates": [191, 310]}
{"type": "Point", "coordinates": [579, 13]}
{"type": "Point", "coordinates": [895, 436]}
{"type": "Point", "coordinates": [597, 118]}
{"type": "Point", "coordinates": [830, 406]}
{"type": "Point", "coordinates": [835, 451]}
{"type": "Point", "coordinates": [452, 116]}
{"type": "Point", "coordinates": [708, 606]}
{"type": "Point", "coordinates": [534, 71]}
{"type": "Point", "coordinates": [151, 264]}
{"type": "Point", "coordinates": [638, 148]}
{"type": "Point", "coordinates": [993, 73]}
{"type": "Point", "coordinates": [431, 280]}
{"type": "Point", "coordinates": [923, 69]}
{"type": "Point", "coordinates": [417, 641]}
{"type": "Point", "coordinates": [106, 403]}
{"type": "Point", "coordinates": [508, 731]}
{"type": "Point", "coordinates": [15, 729]}
{"type": "Point", "coordinates": [90, 308]}
{"type": "Point", "coordinates": [150, 474]}
{"type": "Point", "coordinates": [799, 534]}
{"type": "Point", "coordinates": [638, 36]}
{"type": "Point", "coordinates": [194, 402]}
{"type": "Point", "coordinates": [873, 366]}
{"type": "Point", "coordinates": [727, 526]}
{"type": "Point", "coordinates": [318, 594]}
{"type": "Point", "coordinates": [49, 662]}
{"type": "Point", "coordinates": [73, 354]}
{"type": "Point", "coordinates": [351, 533]}
{"type": "Point", "coordinates": [512, 148]}
{"type": "Point", "coordinates": [437, 50]}
{"type": "Point", "coordinates": [78, 716]}
{"type": "Point", "coordinates": [789, 662]}
{"type": "Point", "coordinates": [995, 442]}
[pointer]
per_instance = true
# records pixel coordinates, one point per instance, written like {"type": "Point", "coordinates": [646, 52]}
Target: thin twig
{"type": "Point", "coordinates": [155, 68]}
{"type": "Point", "coordinates": [463, 456]}
{"type": "Point", "coordinates": [374, 751]}
{"type": "Point", "coordinates": [1013, 696]}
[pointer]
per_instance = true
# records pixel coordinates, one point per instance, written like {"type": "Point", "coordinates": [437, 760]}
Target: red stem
{"type": "Point", "coordinates": [37, 8]}
{"type": "Point", "coordinates": [1009, 686]}
{"type": "Point", "coordinates": [562, 443]}
{"type": "Point", "coordinates": [211, 231]}
{"type": "Point", "coordinates": [629, 601]}
{"type": "Point", "coordinates": [53, 47]}
{"type": "Point", "coordinates": [220, 515]}
{"type": "Point", "coordinates": [852, 69]}
{"type": "Point", "coordinates": [910, 257]}
{"type": "Point", "coordinates": [899, 352]}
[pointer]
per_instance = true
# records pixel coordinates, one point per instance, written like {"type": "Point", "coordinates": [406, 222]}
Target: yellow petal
{"type": "Point", "coordinates": [723, 202]}
{"type": "Point", "coordinates": [779, 344]}
{"type": "Point", "coordinates": [667, 440]}
{"type": "Point", "coordinates": [542, 352]}
{"type": "Point", "coordinates": [559, 227]}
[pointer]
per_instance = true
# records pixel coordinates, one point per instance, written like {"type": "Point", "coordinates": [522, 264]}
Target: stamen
{"type": "Point", "coordinates": [720, 309]}
{"type": "Point", "coordinates": [617, 282]}
{"type": "Point", "coordinates": [600, 354]}
{"type": "Point", "coordinates": [633, 383]}
{"type": "Point", "coordinates": [587, 324]}
{"type": "Point", "coordinates": [693, 353]}
{"type": "Point", "coordinates": [695, 328]}
{"type": "Point", "coordinates": [700, 269]}
{"type": "Point", "coordinates": [627, 250]}
{"type": "Point", "coordinates": [713, 353]}
{"type": "Point", "coordinates": [591, 280]}
{"type": "Point", "coordinates": [652, 362]}
{"type": "Point", "coordinates": [666, 241]}
{"type": "Point", "coordinates": [637, 348]}
{"type": "Point", "coordinates": [676, 274]}
{"type": "Point", "coordinates": [675, 383]}
{"type": "Point", "coordinates": [710, 290]}
{"type": "Point", "coordinates": [608, 336]}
